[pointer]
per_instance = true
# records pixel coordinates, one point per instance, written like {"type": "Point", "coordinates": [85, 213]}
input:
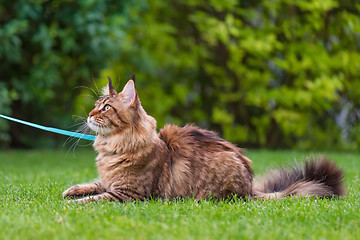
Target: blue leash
{"type": "Point", "coordinates": [54, 130]}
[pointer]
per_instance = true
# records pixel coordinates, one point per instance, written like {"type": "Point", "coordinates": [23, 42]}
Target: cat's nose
{"type": "Point", "coordinates": [92, 113]}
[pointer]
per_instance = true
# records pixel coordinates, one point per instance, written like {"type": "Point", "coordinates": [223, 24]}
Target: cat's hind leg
{"type": "Point", "coordinates": [84, 189]}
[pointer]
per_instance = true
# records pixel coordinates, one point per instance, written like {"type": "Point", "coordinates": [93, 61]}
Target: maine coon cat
{"type": "Point", "coordinates": [135, 162]}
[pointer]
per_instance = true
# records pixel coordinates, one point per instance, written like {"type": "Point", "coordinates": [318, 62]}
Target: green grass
{"type": "Point", "coordinates": [31, 206]}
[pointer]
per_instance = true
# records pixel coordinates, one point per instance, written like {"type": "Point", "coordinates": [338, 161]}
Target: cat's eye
{"type": "Point", "coordinates": [107, 107]}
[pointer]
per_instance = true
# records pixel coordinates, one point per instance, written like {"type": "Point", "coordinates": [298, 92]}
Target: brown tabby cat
{"type": "Point", "coordinates": [136, 162]}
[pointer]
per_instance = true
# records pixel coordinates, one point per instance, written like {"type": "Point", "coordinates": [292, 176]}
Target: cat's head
{"type": "Point", "coordinates": [116, 112]}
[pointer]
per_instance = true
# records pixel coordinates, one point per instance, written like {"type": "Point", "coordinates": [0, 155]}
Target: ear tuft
{"type": "Point", "coordinates": [129, 93]}
{"type": "Point", "coordinates": [133, 77]}
{"type": "Point", "coordinates": [110, 89]}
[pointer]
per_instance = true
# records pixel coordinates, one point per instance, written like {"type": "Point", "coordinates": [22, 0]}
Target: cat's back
{"type": "Point", "coordinates": [175, 136]}
{"type": "Point", "coordinates": [195, 139]}
{"type": "Point", "coordinates": [201, 158]}
{"type": "Point", "coordinates": [188, 136]}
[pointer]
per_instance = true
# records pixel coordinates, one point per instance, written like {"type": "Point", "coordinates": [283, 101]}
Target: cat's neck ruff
{"type": "Point", "coordinates": [130, 140]}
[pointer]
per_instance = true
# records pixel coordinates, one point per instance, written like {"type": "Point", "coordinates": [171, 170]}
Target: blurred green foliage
{"type": "Point", "coordinates": [262, 73]}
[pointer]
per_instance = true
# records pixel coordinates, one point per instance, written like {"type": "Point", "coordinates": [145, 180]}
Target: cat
{"type": "Point", "coordinates": [135, 162]}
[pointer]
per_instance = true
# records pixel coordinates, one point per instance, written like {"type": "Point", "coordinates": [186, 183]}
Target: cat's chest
{"type": "Point", "coordinates": [112, 170]}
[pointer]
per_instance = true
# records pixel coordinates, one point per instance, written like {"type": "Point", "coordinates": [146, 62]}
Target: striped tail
{"type": "Point", "coordinates": [318, 178]}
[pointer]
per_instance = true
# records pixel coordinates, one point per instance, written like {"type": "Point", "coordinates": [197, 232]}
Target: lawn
{"type": "Point", "coordinates": [31, 206]}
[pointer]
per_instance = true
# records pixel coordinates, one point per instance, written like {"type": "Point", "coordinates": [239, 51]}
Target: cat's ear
{"type": "Point", "coordinates": [109, 89]}
{"type": "Point", "coordinates": [129, 93]}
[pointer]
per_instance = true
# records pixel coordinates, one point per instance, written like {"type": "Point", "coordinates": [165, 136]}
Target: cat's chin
{"type": "Point", "coordinates": [103, 130]}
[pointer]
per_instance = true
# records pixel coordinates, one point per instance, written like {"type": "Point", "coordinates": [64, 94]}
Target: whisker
{"type": "Point", "coordinates": [73, 147]}
{"type": "Point", "coordinates": [97, 89]}
{"type": "Point", "coordinates": [81, 122]}
{"type": "Point", "coordinates": [69, 139]}
{"type": "Point", "coordinates": [89, 88]}
{"type": "Point", "coordinates": [78, 117]}
{"type": "Point", "coordinates": [82, 129]}
{"type": "Point", "coordinates": [70, 148]}
{"type": "Point", "coordinates": [74, 125]}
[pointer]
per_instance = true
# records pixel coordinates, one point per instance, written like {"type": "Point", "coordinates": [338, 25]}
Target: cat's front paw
{"type": "Point", "coordinates": [73, 192]}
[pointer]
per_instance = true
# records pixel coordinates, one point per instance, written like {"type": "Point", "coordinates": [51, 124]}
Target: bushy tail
{"type": "Point", "coordinates": [318, 177]}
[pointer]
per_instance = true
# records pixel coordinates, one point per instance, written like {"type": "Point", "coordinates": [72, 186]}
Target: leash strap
{"type": "Point", "coordinates": [51, 129]}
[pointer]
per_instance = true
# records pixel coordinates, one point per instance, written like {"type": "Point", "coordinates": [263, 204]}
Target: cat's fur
{"type": "Point", "coordinates": [135, 162]}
